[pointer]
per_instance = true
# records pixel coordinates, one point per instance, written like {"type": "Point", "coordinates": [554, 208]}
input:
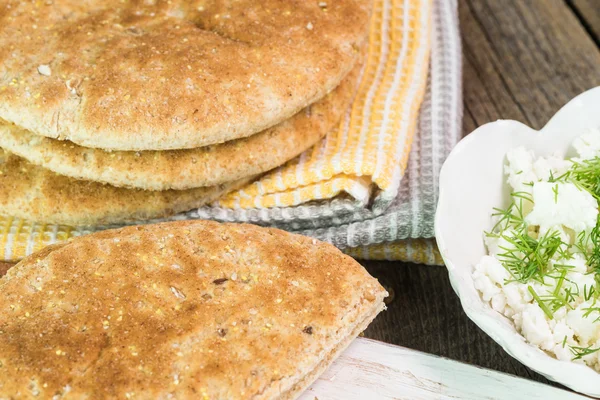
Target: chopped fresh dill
{"type": "Point", "coordinates": [559, 282]}
{"type": "Point", "coordinates": [593, 255]}
{"type": "Point", "coordinates": [530, 255]}
{"type": "Point", "coordinates": [547, 258]}
{"type": "Point", "coordinates": [564, 266]}
{"type": "Point", "coordinates": [580, 352]}
{"type": "Point", "coordinates": [523, 195]}
{"type": "Point", "coordinates": [590, 310]}
{"type": "Point", "coordinates": [555, 191]}
{"type": "Point", "coordinates": [506, 218]}
{"type": "Point", "coordinates": [584, 174]}
{"type": "Point", "coordinates": [587, 174]}
{"type": "Point", "coordinates": [542, 305]}
{"type": "Point", "coordinates": [569, 295]}
{"type": "Point", "coordinates": [564, 253]}
{"type": "Point", "coordinates": [528, 258]}
{"type": "Point", "coordinates": [587, 295]}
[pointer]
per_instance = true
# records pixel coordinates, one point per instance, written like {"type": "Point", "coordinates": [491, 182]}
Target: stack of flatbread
{"type": "Point", "coordinates": [114, 110]}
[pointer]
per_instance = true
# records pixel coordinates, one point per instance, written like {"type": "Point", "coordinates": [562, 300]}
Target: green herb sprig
{"type": "Point", "coordinates": [528, 256]}
{"type": "Point", "coordinates": [580, 352]}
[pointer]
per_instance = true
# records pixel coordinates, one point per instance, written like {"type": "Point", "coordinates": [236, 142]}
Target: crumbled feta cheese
{"type": "Point", "coordinates": [523, 168]}
{"type": "Point", "coordinates": [588, 145]}
{"type": "Point", "coordinates": [543, 167]}
{"type": "Point", "coordinates": [520, 169]}
{"type": "Point", "coordinates": [584, 327]}
{"type": "Point", "coordinates": [550, 225]}
{"type": "Point", "coordinates": [558, 204]}
{"type": "Point", "coordinates": [517, 296]}
{"type": "Point", "coordinates": [535, 327]}
{"type": "Point", "coordinates": [488, 277]}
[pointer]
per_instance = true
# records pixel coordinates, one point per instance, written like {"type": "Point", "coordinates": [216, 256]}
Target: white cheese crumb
{"type": "Point", "coordinates": [588, 145]}
{"type": "Point", "coordinates": [545, 167]}
{"type": "Point", "coordinates": [585, 328]}
{"type": "Point", "coordinates": [562, 204]}
{"type": "Point", "coordinates": [520, 169]}
{"type": "Point", "coordinates": [535, 327]}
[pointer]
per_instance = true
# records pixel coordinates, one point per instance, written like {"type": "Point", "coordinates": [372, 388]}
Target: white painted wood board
{"type": "Point", "coordinates": [371, 370]}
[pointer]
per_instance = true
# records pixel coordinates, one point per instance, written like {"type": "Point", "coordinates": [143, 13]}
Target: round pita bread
{"type": "Point", "coordinates": [163, 75]}
{"type": "Point", "coordinates": [182, 310]}
{"type": "Point", "coordinates": [34, 193]}
{"type": "Point", "coordinates": [185, 169]}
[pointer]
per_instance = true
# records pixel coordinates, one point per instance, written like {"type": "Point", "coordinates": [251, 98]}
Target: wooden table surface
{"type": "Point", "coordinates": [522, 60]}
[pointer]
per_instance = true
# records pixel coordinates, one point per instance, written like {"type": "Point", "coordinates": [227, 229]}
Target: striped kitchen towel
{"type": "Point", "coordinates": [374, 226]}
{"type": "Point", "coordinates": [440, 128]}
{"type": "Point", "coordinates": [390, 231]}
{"type": "Point", "coordinates": [369, 150]}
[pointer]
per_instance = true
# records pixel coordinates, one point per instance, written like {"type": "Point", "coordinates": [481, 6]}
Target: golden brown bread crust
{"type": "Point", "coordinates": [353, 331]}
{"type": "Point", "coordinates": [34, 193]}
{"type": "Point", "coordinates": [186, 169]}
{"type": "Point", "coordinates": [158, 75]}
{"type": "Point", "coordinates": [190, 309]}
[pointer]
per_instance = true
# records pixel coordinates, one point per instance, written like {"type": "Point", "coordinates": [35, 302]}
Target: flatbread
{"type": "Point", "coordinates": [185, 169]}
{"type": "Point", "coordinates": [34, 193]}
{"type": "Point", "coordinates": [163, 75]}
{"type": "Point", "coordinates": [185, 310]}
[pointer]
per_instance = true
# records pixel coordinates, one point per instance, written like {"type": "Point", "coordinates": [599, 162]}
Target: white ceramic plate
{"type": "Point", "coordinates": [471, 184]}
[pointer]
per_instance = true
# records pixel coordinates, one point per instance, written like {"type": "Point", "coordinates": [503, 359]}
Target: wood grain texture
{"type": "Point", "coordinates": [425, 314]}
{"type": "Point", "coordinates": [522, 60]}
{"type": "Point", "coordinates": [375, 370]}
{"type": "Point", "coordinates": [588, 12]}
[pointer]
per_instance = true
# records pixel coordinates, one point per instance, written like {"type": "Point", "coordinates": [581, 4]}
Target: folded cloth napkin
{"type": "Point", "coordinates": [380, 231]}
{"type": "Point", "coordinates": [440, 127]}
{"type": "Point", "coordinates": [379, 194]}
{"type": "Point", "coordinates": [369, 150]}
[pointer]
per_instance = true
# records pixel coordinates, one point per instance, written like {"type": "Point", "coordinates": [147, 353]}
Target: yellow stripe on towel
{"type": "Point", "coordinates": [372, 143]}
{"type": "Point", "coordinates": [419, 251]}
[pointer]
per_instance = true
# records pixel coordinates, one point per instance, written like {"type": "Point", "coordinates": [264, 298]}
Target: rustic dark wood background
{"type": "Point", "coordinates": [522, 60]}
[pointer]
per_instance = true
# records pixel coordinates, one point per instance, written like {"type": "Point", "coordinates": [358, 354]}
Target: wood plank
{"type": "Point", "coordinates": [375, 370]}
{"type": "Point", "coordinates": [524, 59]}
{"type": "Point", "coordinates": [425, 314]}
{"type": "Point", "coordinates": [588, 13]}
